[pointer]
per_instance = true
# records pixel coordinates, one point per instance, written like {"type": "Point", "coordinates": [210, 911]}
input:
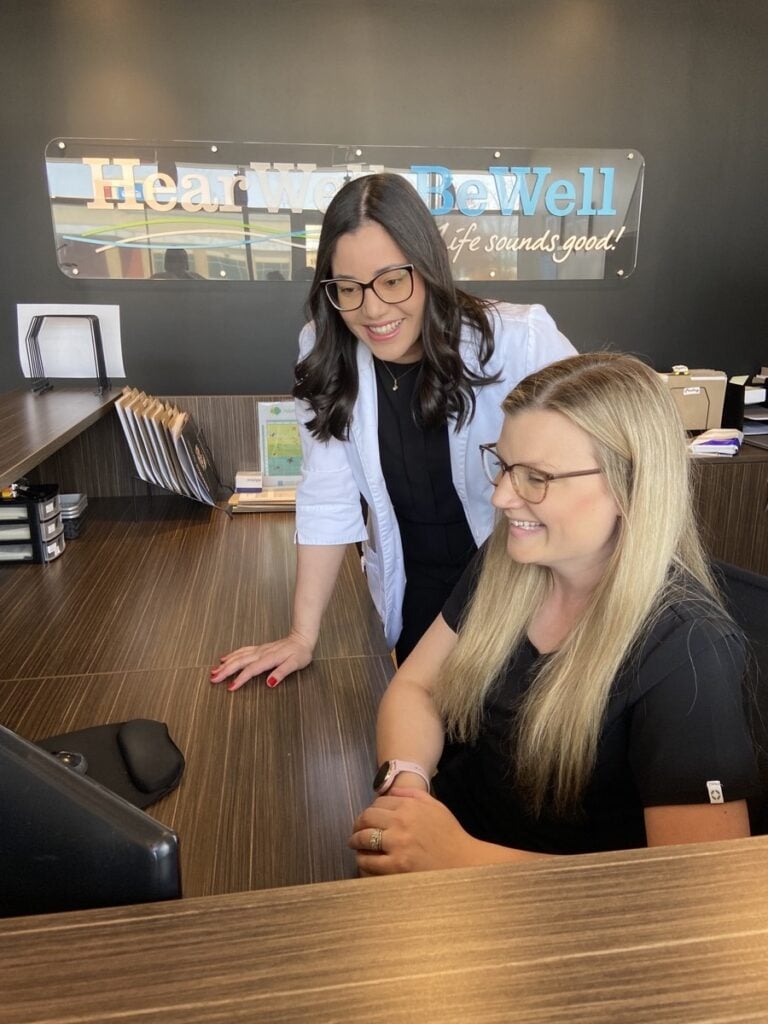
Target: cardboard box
{"type": "Point", "coordinates": [699, 396]}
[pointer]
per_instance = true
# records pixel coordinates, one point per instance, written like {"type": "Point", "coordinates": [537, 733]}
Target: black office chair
{"type": "Point", "coordinates": [746, 596]}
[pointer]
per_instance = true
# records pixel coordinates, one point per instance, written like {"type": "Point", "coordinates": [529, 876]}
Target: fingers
{"type": "Point", "coordinates": [237, 668]}
{"type": "Point", "coordinates": [370, 864]}
{"type": "Point", "coordinates": [367, 840]}
{"type": "Point", "coordinates": [401, 831]}
{"type": "Point", "coordinates": [373, 855]}
{"type": "Point", "coordinates": [370, 846]}
{"type": "Point", "coordinates": [279, 659]}
{"type": "Point", "coordinates": [282, 670]}
{"type": "Point", "coordinates": [378, 815]}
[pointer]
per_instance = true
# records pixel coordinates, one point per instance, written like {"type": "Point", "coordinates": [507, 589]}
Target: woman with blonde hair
{"type": "Point", "coordinates": [584, 662]}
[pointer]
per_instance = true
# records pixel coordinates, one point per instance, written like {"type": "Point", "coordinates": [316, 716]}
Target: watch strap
{"type": "Point", "coordinates": [394, 768]}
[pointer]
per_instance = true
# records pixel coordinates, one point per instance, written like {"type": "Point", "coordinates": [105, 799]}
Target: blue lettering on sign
{"type": "Point", "coordinates": [561, 197]}
{"type": "Point", "coordinates": [518, 190]}
{"type": "Point", "coordinates": [508, 200]}
{"type": "Point", "coordinates": [587, 208]}
{"type": "Point", "coordinates": [440, 188]}
{"type": "Point", "coordinates": [472, 198]}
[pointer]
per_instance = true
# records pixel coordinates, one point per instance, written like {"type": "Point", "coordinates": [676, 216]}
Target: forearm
{"type": "Point", "coordinates": [408, 727]}
{"type": "Point", "coordinates": [479, 853]}
{"type": "Point", "coordinates": [317, 569]}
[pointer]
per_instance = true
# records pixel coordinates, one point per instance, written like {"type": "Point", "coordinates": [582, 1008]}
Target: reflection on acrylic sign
{"type": "Point", "coordinates": [253, 211]}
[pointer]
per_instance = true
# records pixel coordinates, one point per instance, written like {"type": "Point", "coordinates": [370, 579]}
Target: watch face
{"type": "Point", "coordinates": [381, 776]}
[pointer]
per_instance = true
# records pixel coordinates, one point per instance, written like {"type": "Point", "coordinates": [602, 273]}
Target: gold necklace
{"type": "Point", "coordinates": [396, 380]}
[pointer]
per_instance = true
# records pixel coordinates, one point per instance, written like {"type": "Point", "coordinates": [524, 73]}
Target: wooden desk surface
{"type": "Point", "coordinates": [32, 427]}
{"type": "Point", "coordinates": [669, 936]}
{"type": "Point", "coordinates": [127, 623]}
{"type": "Point", "coordinates": [124, 625]}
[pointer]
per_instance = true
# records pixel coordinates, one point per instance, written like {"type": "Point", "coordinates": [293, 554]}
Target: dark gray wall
{"type": "Point", "coordinates": [683, 81]}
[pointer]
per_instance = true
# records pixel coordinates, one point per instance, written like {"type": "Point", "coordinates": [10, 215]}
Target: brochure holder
{"type": "Point", "coordinates": [168, 449]}
{"type": "Point", "coordinates": [40, 383]}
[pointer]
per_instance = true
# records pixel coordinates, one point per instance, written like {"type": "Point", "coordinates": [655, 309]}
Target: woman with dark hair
{"type": "Point", "coordinates": [400, 376]}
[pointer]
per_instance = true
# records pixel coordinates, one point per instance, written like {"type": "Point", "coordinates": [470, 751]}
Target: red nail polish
{"type": "Point", "coordinates": [272, 681]}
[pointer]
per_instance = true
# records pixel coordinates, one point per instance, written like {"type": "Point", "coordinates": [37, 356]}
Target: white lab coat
{"type": "Point", "coordinates": [336, 473]}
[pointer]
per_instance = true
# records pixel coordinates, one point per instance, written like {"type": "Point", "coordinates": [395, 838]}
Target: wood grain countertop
{"type": "Point", "coordinates": [667, 936]}
{"type": "Point", "coordinates": [32, 427]}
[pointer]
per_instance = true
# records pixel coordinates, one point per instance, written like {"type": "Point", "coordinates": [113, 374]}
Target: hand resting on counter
{"type": "Point", "coordinates": [280, 658]}
{"type": "Point", "coordinates": [418, 833]}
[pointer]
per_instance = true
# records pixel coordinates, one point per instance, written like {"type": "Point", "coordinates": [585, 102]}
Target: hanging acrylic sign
{"type": "Point", "coordinates": [132, 210]}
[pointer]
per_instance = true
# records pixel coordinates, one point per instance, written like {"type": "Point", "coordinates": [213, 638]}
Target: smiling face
{"type": "Point", "coordinates": [391, 332]}
{"type": "Point", "coordinates": [573, 530]}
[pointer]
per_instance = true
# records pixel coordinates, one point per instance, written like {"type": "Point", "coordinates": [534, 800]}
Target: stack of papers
{"type": "Point", "coordinates": [271, 499]}
{"type": "Point", "coordinates": [717, 442]}
{"type": "Point", "coordinates": [248, 482]}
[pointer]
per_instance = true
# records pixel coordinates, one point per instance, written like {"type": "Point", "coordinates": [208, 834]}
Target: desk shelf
{"type": "Point", "coordinates": [33, 427]}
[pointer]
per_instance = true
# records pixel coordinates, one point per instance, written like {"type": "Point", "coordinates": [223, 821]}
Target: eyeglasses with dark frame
{"type": "Point", "coordinates": [391, 286]}
{"type": "Point", "coordinates": [530, 484]}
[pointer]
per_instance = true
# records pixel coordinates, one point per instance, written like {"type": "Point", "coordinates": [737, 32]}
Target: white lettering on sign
{"type": "Point", "coordinates": [283, 184]}
{"type": "Point", "coordinates": [466, 236]}
{"type": "Point", "coordinates": [101, 184]}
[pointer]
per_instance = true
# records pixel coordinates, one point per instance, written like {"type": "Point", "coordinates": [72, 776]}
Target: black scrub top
{"type": "Point", "coordinates": [437, 543]}
{"type": "Point", "coordinates": [674, 727]}
{"type": "Point", "coordinates": [416, 464]}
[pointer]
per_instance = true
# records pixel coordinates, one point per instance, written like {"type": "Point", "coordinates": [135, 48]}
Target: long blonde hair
{"type": "Point", "coordinates": [640, 445]}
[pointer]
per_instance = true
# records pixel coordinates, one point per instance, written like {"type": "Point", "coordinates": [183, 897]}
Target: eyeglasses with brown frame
{"type": "Point", "coordinates": [529, 483]}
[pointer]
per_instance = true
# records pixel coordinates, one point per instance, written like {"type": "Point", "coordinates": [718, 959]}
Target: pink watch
{"type": "Point", "coordinates": [389, 770]}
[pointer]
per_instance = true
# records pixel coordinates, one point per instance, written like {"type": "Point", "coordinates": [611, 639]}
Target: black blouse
{"type": "Point", "coordinates": [674, 732]}
{"type": "Point", "coordinates": [416, 464]}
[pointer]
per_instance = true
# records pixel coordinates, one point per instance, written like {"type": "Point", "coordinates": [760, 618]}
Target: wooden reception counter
{"type": "Point", "coordinates": [125, 625]}
{"type": "Point", "coordinates": [666, 936]}
{"type": "Point", "coordinates": [33, 427]}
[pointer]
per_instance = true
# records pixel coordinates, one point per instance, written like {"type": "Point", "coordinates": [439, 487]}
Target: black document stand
{"type": "Point", "coordinates": [40, 383]}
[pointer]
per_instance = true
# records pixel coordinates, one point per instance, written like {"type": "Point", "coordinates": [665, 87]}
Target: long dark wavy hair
{"type": "Point", "coordinates": [327, 378]}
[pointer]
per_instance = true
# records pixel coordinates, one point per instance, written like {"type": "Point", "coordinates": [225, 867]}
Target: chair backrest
{"type": "Point", "coordinates": [746, 596]}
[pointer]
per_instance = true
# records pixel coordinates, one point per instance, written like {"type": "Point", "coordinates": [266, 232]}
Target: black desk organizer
{"type": "Point", "coordinates": [40, 383]}
{"type": "Point", "coordinates": [31, 528]}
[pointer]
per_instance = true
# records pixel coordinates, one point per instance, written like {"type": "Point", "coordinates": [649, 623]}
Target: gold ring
{"type": "Point", "coordinates": [375, 840]}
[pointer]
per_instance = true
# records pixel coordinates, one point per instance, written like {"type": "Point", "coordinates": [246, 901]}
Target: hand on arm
{"type": "Point", "coordinates": [418, 833]}
{"type": "Point", "coordinates": [316, 572]}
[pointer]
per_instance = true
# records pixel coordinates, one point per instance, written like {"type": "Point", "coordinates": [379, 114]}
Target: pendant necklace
{"type": "Point", "coordinates": [396, 380]}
